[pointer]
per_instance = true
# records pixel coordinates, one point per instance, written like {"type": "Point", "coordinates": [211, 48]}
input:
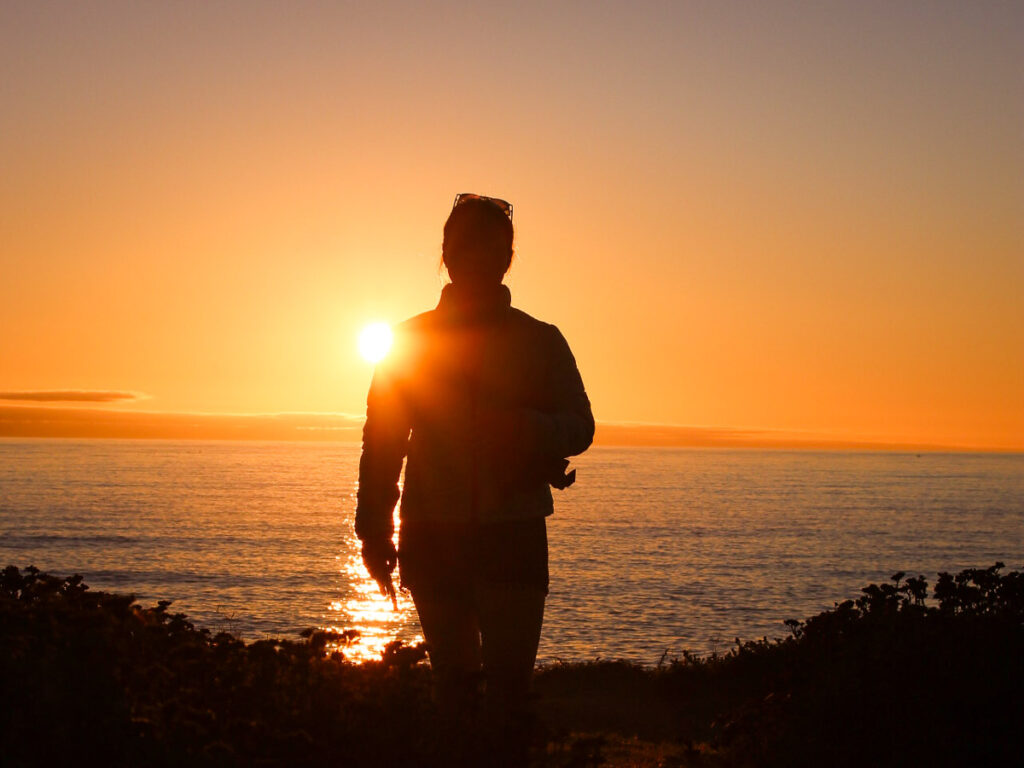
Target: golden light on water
{"type": "Point", "coordinates": [367, 611]}
{"type": "Point", "coordinates": [375, 341]}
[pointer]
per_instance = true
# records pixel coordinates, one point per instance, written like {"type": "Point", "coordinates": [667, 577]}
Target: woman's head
{"type": "Point", "coordinates": [478, 240]}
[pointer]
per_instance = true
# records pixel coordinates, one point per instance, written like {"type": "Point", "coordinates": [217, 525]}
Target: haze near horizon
{"type": "Point", "coordinates": [767, 217]}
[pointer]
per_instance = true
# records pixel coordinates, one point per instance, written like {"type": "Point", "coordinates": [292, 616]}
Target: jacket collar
{"type": "Point", "coordinates": [476, 305]}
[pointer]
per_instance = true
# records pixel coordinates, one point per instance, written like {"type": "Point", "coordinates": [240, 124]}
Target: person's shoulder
{"type": "Point", "coordinates": [409, 337]}
{"type": "Point", "coordinates": [417, 322]}
{"type": "Point", "coordinates": [534, 325]}
{"type": "Point", "coordinates": [519, 317]}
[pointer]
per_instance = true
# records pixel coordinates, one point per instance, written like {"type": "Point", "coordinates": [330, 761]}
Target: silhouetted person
{"type": "Point", "coordinates": [487, 403]}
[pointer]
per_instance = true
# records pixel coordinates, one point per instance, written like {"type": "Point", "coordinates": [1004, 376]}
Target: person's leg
{"type": "Point", "coordinates": [513, 565]}
{"type": "Point", "coordinates": [433, 561]}
{"type": "Point", "coordinates": [511, 616]}
{"type": "Point", "coordinates": [452, 633]}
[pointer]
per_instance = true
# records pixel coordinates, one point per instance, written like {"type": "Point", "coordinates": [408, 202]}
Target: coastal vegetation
{"type": "Point", "coordinates": [896, 677]}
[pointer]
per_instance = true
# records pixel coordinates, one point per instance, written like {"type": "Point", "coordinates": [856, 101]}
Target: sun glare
{"type": "Point", "coordinates": [375, 341]}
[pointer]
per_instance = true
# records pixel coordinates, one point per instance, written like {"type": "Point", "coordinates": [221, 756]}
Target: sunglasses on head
{"type": "Point", "coordinates": [506, 207]}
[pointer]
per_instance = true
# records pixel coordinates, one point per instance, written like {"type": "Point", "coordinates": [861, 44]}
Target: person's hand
{"type": "Point", "coordinates": [380, 558]}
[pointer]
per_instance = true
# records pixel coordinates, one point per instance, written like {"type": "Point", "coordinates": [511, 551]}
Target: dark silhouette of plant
{"type": "Point", "coordinates": [894, 677]}
{"type": "Point", "coordinates": [91, 675]}
{"type": "Point", "coordinates": [886, 679]}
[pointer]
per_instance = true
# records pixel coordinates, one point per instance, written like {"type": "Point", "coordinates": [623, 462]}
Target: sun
{"type": "Point", "coordinates": [375, 341]}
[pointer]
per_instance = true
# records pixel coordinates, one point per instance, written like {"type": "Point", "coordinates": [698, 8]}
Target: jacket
{"type": "Point", "coordinates": [485, 401]}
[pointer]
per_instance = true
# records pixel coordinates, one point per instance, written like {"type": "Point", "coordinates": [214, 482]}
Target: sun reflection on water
{"type": "Point", "coordinates": [367, 611]}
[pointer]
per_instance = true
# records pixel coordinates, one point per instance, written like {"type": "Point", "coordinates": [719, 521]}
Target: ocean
{"type": "Point", "coordinates": [654, 551]}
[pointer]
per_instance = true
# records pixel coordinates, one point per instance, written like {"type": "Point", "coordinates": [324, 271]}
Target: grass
{"type": "Point", "coordinates": [896, 677]}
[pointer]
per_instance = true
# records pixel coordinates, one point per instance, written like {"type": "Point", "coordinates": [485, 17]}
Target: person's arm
{"type": "Point", "coordinates": [385, 441]}
{"type": "Point", "coordinates": [565, 427]}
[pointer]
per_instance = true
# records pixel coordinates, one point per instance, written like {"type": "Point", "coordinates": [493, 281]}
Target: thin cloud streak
{"type": "Point", "coordinates": [45, 421]}
{"type": "Point", "coordinates": [51, 422]}
{"type": "Point", "coordinates": [70, 396]}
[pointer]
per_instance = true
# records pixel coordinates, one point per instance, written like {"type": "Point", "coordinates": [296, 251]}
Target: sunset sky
{"type": "Point", "coordinates": [795, 217]}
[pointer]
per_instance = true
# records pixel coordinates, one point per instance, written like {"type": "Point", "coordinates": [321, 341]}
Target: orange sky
{"type": "Point", "coordinates": [788, 217]}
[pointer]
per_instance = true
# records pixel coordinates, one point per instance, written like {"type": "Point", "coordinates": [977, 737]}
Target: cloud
{"type": "Point", "coordinates": [665, 435]}
{"type": "Point", "coordinates": [30, 420]}
{"type": "Point", "coordinates": [38, 420]}
{"type": "Point", "coordinates": [69, 396]}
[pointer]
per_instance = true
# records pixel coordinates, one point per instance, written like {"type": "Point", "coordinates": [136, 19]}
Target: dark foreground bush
{"type": "Point", "coordinates": [884, 680]}
{"type": "Point", "coordinates": [91, 678]}
{"type": "Point", "coordinates": [889, 679]}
